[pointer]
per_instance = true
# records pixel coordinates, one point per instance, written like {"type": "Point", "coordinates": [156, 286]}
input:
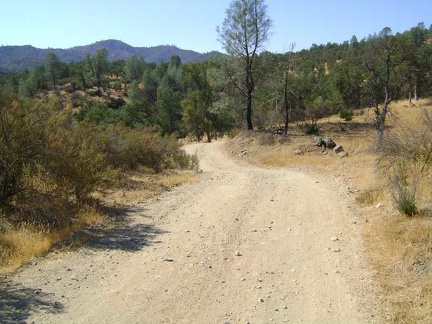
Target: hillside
{"type": "Point", "coordinates": [22, 57]}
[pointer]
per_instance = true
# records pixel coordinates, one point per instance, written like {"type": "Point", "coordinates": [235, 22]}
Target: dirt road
{"type": "Point", "coordinates": [244, 244]}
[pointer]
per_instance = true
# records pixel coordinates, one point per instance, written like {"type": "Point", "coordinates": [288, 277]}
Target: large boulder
{"type": "Point", "coordinates": [324, 142]}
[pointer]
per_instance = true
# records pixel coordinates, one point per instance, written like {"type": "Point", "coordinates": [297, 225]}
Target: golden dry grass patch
{"type": "Point", "coordinates": [19, 245]}
{"type": "Point", "coordinates": [399, 250]}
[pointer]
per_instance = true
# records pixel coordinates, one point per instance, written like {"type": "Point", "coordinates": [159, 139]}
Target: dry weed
{"type": "Point", "coordinates": [401, 255]}
{"type": "Point", "coordinates": [19, 245]}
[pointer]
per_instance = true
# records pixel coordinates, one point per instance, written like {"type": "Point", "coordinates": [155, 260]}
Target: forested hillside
{"type": "Point", "coordinates": [203, 97]}
{"type": "Point", "coordinates": [17, 58]}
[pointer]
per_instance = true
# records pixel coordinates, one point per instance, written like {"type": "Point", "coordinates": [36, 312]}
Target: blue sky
{"type": "Point", "coordinates": [191, 24]}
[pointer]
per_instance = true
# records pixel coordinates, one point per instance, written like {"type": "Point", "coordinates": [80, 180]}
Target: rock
{"type": "Point", "coordinates": [298, 152]}
{"type": "Point", "coordinates": [261, 300]}
{"type": "Point", "coordinates": [243, 153]}
{"type": "Point", "coordinates": [342, 154]}
{"type": "Point", "coordinates": [334, 238]}
{"type": "Point", "coordinates": [324, 142]}
{"type": "Point", "coordinates": [318, 141]}
{"type": "Point", "coordinates": [338, 149]}
{"type": "Point", "coordinates": [378, 206]}
{"type": "Point", "coordinates": [329, 142]}
{"type": "Point", "coordinates": [169, 259]}
{"type": "Point", "coordinates": [238, 253]}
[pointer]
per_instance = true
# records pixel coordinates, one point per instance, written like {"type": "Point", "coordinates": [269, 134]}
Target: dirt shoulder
{"type": "Point", "coordinates": [242, 244]}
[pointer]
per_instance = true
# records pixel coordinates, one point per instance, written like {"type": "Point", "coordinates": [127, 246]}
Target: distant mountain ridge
{"type": "Point", "coordinates": [27, 56]}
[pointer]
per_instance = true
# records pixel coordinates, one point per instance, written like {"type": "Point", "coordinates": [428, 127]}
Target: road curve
{"type": "Point", "coordinates": [244, 244]}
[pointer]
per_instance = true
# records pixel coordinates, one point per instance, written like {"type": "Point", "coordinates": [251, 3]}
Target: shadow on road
{"type": "Point", "coordinates": [120, 233]}
{"type": "Point", "coordinates": [17, 302]}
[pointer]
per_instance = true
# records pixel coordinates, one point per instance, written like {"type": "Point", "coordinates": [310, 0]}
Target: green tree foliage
{"type": "Point", "coordinates": [52, 68]}
{"type": "Point", "coordinates": [169, 116]}
{"type": "Point", "coordinates": [116, 68]}
{"type": "Point", "coordinates": [198, 102]}
{"type": "Point", "coordinates": [100, 114]}
{"type": "Point", "coordinates": [244, 32]}
{"type": "Point", "coordinates": [194, 115]}
{"type": "Point", "coordinates": [134, 68]}
{"type": "Point", "coordinates": [97, 67]}
{"type": "Point", "coordinates": [138, 109]}
{"type": "Point", "coordinates": [32, 82]}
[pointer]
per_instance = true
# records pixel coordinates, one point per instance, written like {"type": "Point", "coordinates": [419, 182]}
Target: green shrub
{"type": "Point", "coordinates": [79, 100]}
{"type": "Point", "coordinates": [346, 114]}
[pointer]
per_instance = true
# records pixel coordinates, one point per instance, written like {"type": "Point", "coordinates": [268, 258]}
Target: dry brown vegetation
{"type": "Point", "coordinates": [399, 248]}
{"type": "Point", "coordinates": [56, 172]}
{"type": "Point", "coordinates": [27, 241]}
{"type": "Point", "coordinates": [20, 244]}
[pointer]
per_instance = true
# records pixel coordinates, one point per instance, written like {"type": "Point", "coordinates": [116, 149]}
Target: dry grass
{"type": "Point", "coordinates": [19, 245]}
{"type": "Point", "coordinates": [400, 251]}
{"type": "Point", "coordinates": [141, 186]}
{"type": "Point", "coordinates": [399, 248]}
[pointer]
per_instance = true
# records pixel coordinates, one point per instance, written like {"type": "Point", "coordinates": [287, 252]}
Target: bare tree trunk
{"type": "Point", "coordinates": [249, 111]}
{"type": "Point", "coordinates": [250, 88]}
{"type": "Point", "coordinates": [286, 104]}
{"type": "Point", "coordinates": [197, 134]}
{"type": "Point", "coordinates": [380, 117]}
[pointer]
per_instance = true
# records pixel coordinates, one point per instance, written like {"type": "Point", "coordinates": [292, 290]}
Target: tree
{"type": "Point", "coordinates": [385, 79]}
{"type": "Point", "coordinates": [134, 68]}
{"type": "Point", "coordinates": [286, 87]}
{"type": "Point", "coordinates": [138, 109]}
{"type": "Point", "coordinates": [97, 66]}
{"type": "Point", "coordinates": [52, 67]}
{"type": "Point", "coordinates": [194, 111]}
{"type": "Point", "coordinates": [32, 82]}
{"type": "Point", "coordinates": [199, 100]}
{"type": "Point", "coordinates": [244, 32]}
{"type": "Point", "coordinates": [169, 114]}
